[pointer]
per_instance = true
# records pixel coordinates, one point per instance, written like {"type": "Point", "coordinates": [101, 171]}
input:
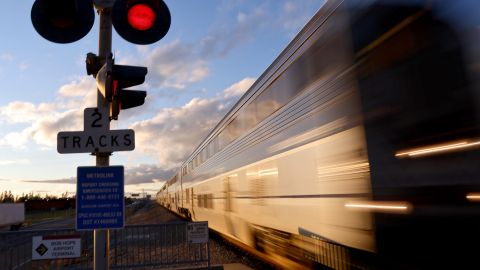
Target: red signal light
{"type": "Point", "coordinates": [141, 17]}
{"type": "Point", "coordinates": [140, 21]}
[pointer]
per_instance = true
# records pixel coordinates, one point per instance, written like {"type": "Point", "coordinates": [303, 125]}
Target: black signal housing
{"type": "Point", "coordinates": [63, 21]}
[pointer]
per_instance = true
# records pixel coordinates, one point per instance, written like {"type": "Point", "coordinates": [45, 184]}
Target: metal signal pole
{"type": "Point", "coordinates": [101, 236]}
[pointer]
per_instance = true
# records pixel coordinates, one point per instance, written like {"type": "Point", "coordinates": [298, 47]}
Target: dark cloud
{"type": "Point", "coordinates": [146, 173]}
{"type": "Point", "coordinates": [71, 180]}
{"type": "Point", "coordinates": [224, 37]}
{"type": "Point", "coordinates": [175, 65]}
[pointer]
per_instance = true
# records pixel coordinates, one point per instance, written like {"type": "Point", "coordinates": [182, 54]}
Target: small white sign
{"type": "Point", "coordinates": [197, 232]}
{"type": "Point", "coordinates": [56, 247]}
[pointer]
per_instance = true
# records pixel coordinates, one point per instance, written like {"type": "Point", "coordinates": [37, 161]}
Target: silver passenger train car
{"type": "Point", "coordinates": [358, 145]}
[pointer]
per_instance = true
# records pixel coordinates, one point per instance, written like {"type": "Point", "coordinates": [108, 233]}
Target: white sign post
{"type": "Point", "coordinates": [197, 232]}
{"type": "Point", "coordinates": [56, 247]}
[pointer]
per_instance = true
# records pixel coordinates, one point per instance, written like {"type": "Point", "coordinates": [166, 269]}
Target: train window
{"type": "Point", "coordinates": [214, 144]}
{"type": "Point", "coordinates": [266, 103]}
{"type": "Point", "coordinates": [207, 151]}
{"type": "Point", "coordinates": [229, 133]}
{"type": "Point", "coordinates": [248, 117]}
{"type": "Point", "coordinates": [205, 200]}
{"type": "Point", "coordinates": [191, 195]}
{"type": "Point", "coordinates": [200, 200]}
{"type": "Point", "coordinates": [204, 154]}
{"type": "Point", "coordinates": [209, 198]}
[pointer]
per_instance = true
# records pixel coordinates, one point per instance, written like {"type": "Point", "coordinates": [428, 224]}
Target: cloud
{"type": "Point", "coordinates": [14, 139]}
{"type": "Point", "coordinates": [289, 7]}
{"type": "Point", "coordinates": [18, 112]}
{"type": "Point", "coordinates": [70, 180]}
{"type": "Point", "coordinates": [296, 13]}
{"type": "Point", "coordinates": [175, 65]}
{"type": "Point", "coordinates": [6, 57]}
{"type": "Point", "coordinates": [146, 173]}
{"type": "Point", "coordinates": [238, 88]}
{"type": "Point", "coordinates": [179, 64]}
{"type": "Point", "coordinates": [45, 120]}
{"type": "Point", "coordinates": [225, 36]}
{"type": "Point", "coordinates": [143, 173]}
{"type": "Point", "coordinates": [173, 133]}
{"type": "Point", "coordinates": [23, 66]}
{"type": "Point", "coordinates": [79, 87]}
{"type": "Point", "coordinates": [9, 162]}
{"type": "Point", "coordinates": [241, 21]}
{"type": "Point", "coordinates": [169, 136]}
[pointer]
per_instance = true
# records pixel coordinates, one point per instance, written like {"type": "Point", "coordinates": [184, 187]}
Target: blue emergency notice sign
{"type": "Point", "coordinates": [100, 198]}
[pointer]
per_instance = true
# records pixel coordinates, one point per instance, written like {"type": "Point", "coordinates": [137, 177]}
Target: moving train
{"type": "Point", "coordinates": [358, 147]}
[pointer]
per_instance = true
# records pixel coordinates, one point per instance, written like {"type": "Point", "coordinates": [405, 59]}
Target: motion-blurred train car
{"type": "Point", "coordinates": [358, 146]}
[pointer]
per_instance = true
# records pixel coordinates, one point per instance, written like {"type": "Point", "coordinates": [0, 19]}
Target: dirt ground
{"type": "Point", "coordinates": [148, 212]}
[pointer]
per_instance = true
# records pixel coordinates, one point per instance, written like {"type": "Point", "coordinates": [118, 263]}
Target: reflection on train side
{"type": "Point", "coordinates": [376, 206]}
{"type": "Point", "coordinates": [439, 148]}
{"type": "Point", "coordinates": [473, 197]}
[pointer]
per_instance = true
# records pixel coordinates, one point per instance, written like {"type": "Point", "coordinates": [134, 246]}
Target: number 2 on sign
{"type": "Point", "coordinates": [97, 117]}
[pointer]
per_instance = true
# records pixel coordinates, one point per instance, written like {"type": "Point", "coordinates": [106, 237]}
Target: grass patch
{"type": "Point", "coordinates": [32, 217]}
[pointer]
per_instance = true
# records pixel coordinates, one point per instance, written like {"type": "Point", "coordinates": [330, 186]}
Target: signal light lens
{"type": "Point", "coordinates": [114, 87]}
{"type": "Point", "coordinates": [63, 22]}
{"type": "Point", "coordinates": [141, 17]}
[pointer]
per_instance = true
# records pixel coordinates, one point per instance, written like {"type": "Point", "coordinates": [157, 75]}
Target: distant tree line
{"type": "Point", "coordinates": [8, 197]}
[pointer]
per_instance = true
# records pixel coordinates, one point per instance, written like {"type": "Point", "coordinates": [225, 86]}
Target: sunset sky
{"type": "Point", "coordinates": [213, 52]}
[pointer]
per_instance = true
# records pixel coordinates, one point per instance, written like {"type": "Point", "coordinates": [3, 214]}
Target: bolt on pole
{"type": "Point", "coordinates": [102, 237]}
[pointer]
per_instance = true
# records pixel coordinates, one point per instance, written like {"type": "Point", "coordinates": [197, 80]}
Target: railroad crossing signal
{"type": "Point", "coordinates": [111, 81]}
{"type": "Point", "coordinates": [137, 21]}
{"type": "Point", "coordinates": [63, 21]}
